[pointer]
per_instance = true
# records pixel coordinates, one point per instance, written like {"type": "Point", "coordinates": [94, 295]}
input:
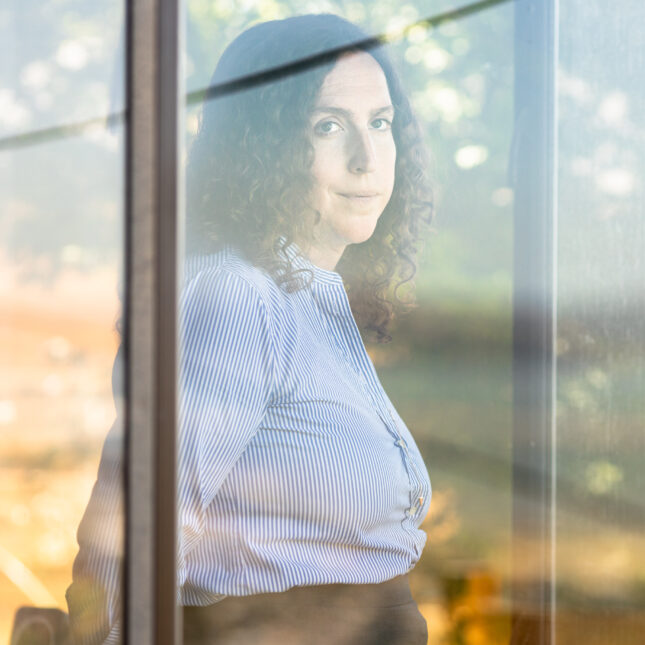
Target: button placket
{"type": "Point", "coordinates": [416, 480]}
{"type": "Point", "coordinates": [380, 403]}
{"type": "Point", "coordinates": [361, 363]}
{"type": "Point", "coordinates": [335, 311]}
{"type": "Point", "coordinates": [345, 351]}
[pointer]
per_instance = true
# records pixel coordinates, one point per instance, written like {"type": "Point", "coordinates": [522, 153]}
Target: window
{"type": "Point", "coordinates": [519, 372]}
{"type": "Point", "coordinates": [63, 155]}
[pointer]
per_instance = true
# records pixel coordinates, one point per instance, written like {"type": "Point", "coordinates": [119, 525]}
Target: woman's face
{"type": "Point", "coordinates": [354, 156]}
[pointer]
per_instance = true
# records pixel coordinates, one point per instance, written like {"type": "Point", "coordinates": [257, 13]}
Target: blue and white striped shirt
{"type": "Point", "coordinates": [294, 467]}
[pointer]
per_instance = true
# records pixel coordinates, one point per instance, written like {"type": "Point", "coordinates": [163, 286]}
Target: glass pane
{"type": "Point", "coordinates": [61, 256]}
{"type": "Point", "coordinates": [297, 467]}
{"type": "Point", "coordinates": [600, 570]}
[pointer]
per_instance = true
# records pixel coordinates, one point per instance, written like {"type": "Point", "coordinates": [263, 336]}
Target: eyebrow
{"type": "Point", "coordinates": [348, 113]}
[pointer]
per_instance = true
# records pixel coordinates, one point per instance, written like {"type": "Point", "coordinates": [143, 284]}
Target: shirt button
{"type": "Point", "coordinates": [412, 511]}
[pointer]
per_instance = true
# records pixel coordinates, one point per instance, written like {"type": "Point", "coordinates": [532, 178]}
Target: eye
{"type": "Point", "coordinates": [327, 127]}
{"type": "Point", "coordinates": [381, 124]}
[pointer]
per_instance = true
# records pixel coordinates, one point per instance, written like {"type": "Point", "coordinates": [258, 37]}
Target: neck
{"type": "Point", "coordinates": [323, 257]}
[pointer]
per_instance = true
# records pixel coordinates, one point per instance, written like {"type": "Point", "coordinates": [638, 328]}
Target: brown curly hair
{"type": "Point", "coordinates": [248, 173]}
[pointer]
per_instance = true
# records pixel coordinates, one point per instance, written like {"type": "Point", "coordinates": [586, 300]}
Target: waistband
{"type": "Point", "coordinates": [390, 593]}
{"type": "Point", "coordinates": [370, 614]}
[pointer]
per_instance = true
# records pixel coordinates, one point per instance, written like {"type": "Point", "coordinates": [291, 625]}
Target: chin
{"type": "Point", "coordinates": [362, 233]}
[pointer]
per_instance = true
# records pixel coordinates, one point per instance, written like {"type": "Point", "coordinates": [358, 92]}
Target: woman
{"type": "Point", "coordinates": [301, 490]}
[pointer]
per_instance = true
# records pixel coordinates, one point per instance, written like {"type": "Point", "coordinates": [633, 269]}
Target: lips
{"type": "Point", "coordinates": [360, 196]}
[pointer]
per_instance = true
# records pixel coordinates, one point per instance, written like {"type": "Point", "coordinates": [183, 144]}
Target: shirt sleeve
{"type": "Point", "coordinates": [94, 597]}
{"type": "Point", "coordinates": [227, 377]}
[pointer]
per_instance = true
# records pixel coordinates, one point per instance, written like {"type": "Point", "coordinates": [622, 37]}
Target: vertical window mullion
{"type": "Point", "coordinates": [152, 180]}
{"type": "Point", "coordinates": [534, 181]}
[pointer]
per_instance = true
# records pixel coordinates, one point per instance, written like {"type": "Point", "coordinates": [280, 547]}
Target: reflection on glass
{"type": "Point", "coordinates": [600, 570]}
{"type": "Point", "coordinates": [60, 257]}
{"type": "Point", "coordinates": [447, 369]}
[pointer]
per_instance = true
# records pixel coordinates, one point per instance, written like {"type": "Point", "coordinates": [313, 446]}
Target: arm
{"type": "Point", "coordinates": [94, 597]}
{"type": "Point", "coordinates": [227, 377]}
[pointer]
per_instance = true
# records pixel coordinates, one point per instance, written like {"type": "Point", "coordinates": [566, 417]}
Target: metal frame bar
{"type": "Point", "coordinates": [535, 182]}
{"type": "Point", "coordinates": [152, 180]}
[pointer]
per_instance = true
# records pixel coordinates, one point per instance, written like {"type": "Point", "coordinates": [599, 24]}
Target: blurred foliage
{"type": "Point", "coordinates": [61, 203]}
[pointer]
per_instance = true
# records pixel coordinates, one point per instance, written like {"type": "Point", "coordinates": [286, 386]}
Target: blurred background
{"type": "Point", "coordinates": [449, 367]}
{"type": "Point", "coordinates": [61, 259]}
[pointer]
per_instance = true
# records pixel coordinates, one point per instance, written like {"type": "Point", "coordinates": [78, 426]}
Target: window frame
{"type": "Point", "coordinates": [153, 191]}
{"type": "Point", "coordinates": [533, 170]}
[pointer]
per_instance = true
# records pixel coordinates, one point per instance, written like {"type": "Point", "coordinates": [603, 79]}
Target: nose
{"type": "Point", "coordinates": [362, 156]}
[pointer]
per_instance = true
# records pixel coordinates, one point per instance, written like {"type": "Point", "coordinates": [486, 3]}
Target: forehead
{"type": "Point", "coordinates": [356, 78]}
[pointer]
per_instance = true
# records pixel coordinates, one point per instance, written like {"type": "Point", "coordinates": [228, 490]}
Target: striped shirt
{"type": "Point", "coordinates": [294, 467]}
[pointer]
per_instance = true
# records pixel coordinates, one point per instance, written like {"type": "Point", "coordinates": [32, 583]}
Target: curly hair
{"type": "Point", "coordinates": [248, 172]}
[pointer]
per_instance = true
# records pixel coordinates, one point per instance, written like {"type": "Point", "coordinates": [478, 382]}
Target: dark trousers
{"type": "Point", "coordinates": [376, 614]}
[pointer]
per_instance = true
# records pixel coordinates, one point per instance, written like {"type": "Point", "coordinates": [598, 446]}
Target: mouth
{"type": "Point", "coordinates": [360, 197]}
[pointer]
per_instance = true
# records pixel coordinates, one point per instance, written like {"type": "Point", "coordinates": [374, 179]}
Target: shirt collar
{"type": "Point", "coordinates": [293, 253]}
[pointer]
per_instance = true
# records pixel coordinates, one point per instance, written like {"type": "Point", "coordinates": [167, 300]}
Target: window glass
{"type": "Point", "coordinates": [446, 371]}
{"type": "Point", "coordinates": [61, 257]}
{"type": "Point", "coordinates": [599, 570]}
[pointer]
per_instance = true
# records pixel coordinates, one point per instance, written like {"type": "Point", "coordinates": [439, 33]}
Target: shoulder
{"type": "Point", "coordinates": [229, 283]}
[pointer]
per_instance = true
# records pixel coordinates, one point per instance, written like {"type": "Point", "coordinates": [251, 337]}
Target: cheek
{"type": "Point", "coordinates": [328, 167]}
{"type": "Point", "coordinates": [320, 175]}
{"type": "Point", "coordinates": [389, 166]}
{"type": "Point", "coordinates": [392, 153]}
{"type": "Point", "coordinates": [318, 171]}
{"type": "Point", "coordinates": [322, 179]}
